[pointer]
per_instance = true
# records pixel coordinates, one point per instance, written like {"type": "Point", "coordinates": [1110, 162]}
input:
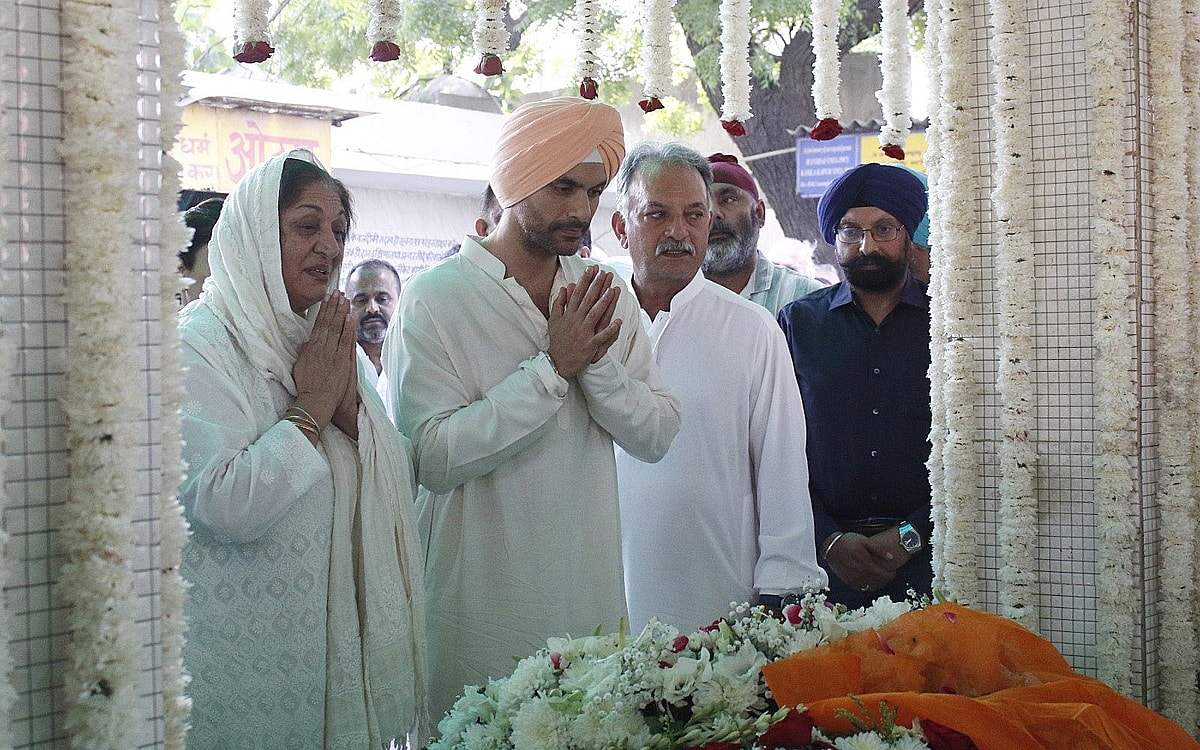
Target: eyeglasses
{"type": "Point", "coordinates": [852, 235]}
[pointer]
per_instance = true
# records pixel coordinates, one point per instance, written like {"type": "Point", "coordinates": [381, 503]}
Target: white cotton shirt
{"type": "Point", "coordinates": [518, 503]}
{"type": "Point", "coordinates": [726, 513]}
{"type": "Point", "coordinates": [773, 286]}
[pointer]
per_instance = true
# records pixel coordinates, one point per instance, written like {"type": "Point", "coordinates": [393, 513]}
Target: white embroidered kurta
{"type": "Point", "coordinates": [726, 513]}
{"type": "Point", "coordinates": [518, 503]}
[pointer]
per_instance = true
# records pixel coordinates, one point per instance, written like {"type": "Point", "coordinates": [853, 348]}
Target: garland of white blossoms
{"type": "Point", "coordinates": [8, 695]}
{"type": "Point", "coordinates": [490, 35]}
{"type": "Point", "coordinates": [656, 52]}
{"type": "Point", "coordinates": [1013, 208]}
{"type": "Point", "coordinates": [100, 96]}
{"type": "Point", "coordinates": [587, 38]}
{"type": "Point", "coordinates": [959, 289]}
{"type": "Point", "coordinates": [1174, 365]}
{"type": "Point", "coordinates": [894, 64]}
{"type": "Point", "coordinates": [383, 29]}
{"type": "Point", "coordinates": [937, 276]}
{"type": "Point", "coordinates": [735, 65]}
{"type": "Point", "coordinates": [1115, 348]}
{"type": "Point", "coordinates": [251, 31]}
{"type": "Point", "coordinates": [172, 529]}
{"type": "Point", "coordinates": [827, 66]}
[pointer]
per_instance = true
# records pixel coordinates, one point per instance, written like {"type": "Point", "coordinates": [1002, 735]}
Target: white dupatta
{"type": "Point", "coordinates": [376, 662]}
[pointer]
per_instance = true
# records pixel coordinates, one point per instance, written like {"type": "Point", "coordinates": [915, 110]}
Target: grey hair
{"type": "Point", "coordinates": [649, 159]}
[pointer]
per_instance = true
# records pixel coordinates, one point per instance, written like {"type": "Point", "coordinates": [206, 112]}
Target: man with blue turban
{"type": "Point", "coordinates": [861, 353]}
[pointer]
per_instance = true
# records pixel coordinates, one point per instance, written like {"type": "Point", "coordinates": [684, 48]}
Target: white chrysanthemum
{"type": "Point", "coordinates": [538, 724]}
{"type": "Point", "coordinates": [595, 727]}
{"type": "Point", "coordinates": [532, 674]}
{"type": "Point", "coordinates": [910, 742]}
{"type": "Point", "coordinates": [861, 741]}
{"type": "Point", "coordinates": [474, 706]}
{"type": "Point", "coordinates": [482, 737]}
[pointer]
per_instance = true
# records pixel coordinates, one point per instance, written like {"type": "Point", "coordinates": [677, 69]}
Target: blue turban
{"type": "Point", "coordinates": [896, 191]}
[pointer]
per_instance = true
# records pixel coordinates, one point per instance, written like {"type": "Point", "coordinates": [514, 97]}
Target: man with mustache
{"type": "Point", "coordinates": [514, 367]}
{"type": "Point", "coordinates": [725, 515]}
{"type": "Point", "coordinates": [733, 259]}
{"type": "Point", "coordinates": [373, 288]}
{"type": "Point", "coordinates": [861, 355]}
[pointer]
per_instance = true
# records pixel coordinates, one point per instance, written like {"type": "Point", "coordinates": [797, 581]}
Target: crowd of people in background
{"type": "Point", "coordinates": [395, 490]}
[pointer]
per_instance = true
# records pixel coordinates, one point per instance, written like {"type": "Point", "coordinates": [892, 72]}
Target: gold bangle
{"type": "Point", "coordinates": [308, 424]}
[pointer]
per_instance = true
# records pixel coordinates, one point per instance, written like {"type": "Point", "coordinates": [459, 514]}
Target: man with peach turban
{"type": "Point", "coordinates": [514, 368]}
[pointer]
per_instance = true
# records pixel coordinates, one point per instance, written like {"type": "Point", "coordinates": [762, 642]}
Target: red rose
{"type": "Point", "coordinates": [679, 644]}
{"type": "Point", "coordinates": [895, 152]}
{"type": "Point", "coordinates": [826, 130]}
{"type": "Point", "coordinates": [254, 52]}
{"type": "Point", "coordinates": [489, 65]}
{"type": "Point", "coordinates": [944, 738]}
{"type": "Point", "coordinates": [588, 88]}
{"type": "Point", "coordinates": [733, 127]}
{"type": "Point", "coordinates": [793, 731]}
{"type": "Point", "coordinates": [650, 104]}
{"type": "Point", "coordinates": [792, 613]}
{"type": "Point", "coordinates": [385, 52]}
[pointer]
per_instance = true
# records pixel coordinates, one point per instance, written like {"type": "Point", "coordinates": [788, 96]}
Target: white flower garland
{"type": "Point", "coordinates": [894, 64]}
{"type": "Point", "coordinates": [490, 35]}
{"type": "Point", "coordinates": [383, 29]}
{"type": "Point", "coordinates": [587, 38]}
{"type": "Point", "coordinates": [656, 52]}
{"type": "Point", "coordinates": [1174, 365]}
{"type": "Point", "coordinates": [735, 65]}
{"type": "Point", "coordinates": [172, 528]}
{"type": "Point", "coordinates": [937, 280]}
{"type": "Point", "coordinates": [827, 65]}
{"type": "Point", "coordinates": [251, 31]}
{"type": "Point", "coordinates": [957, 235]}
{"type": "Point", "coordinates": [100, 97]}
{"type": "Point", "coordinates": [1115, 349]}
{"type": "Point", "coordinates": [1013, 207]}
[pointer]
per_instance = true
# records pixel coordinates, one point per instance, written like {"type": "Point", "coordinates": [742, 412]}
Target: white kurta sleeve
{"type": "Point", "coordinates": [787, 552]}
{"type": "Point", "coordinates": [627, 395]}
{"type": "Point", "coordinates": [240, 479]}
{"type": "Point", "coordinates": [456, 435]}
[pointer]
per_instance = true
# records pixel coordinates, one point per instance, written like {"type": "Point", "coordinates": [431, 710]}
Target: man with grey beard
{"type": "Point", "coordinates": [373, 287]}
{"type": "Point", "coordinates": [733, 259]}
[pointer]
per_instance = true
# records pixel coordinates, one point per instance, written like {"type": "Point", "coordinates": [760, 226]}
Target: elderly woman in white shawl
{"type": "Point", "coordinates": [305, 614]}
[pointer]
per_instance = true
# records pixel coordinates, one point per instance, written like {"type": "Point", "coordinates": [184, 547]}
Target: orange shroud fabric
{"type": "Point", "coordinates": [977, 673]}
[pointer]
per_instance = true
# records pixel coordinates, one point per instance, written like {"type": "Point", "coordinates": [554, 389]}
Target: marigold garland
{"type": "Point", "coordinates": [735, 65]}
{"type": "Point", "coordinates": [100, 119]}
{"type": "Point", "coordinates": [172, 529]}
{"type": "Point", "coordinates": [826, 69]}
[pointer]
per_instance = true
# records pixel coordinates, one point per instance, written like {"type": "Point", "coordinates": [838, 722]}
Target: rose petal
{"type": "Point", "coordinates": [588, 88]}
{"type": "Point", "coordinates": [894, 151]}
{"type": "Point", "coordinates": [884, 644]}
{"type": "Point", "coordinates": [679, 644]}
{"type": "Point", "coordinates": [790, 732]}
{"type": "Point", "coordinates": [254, 52]}
{"type": "Point", "coordinates": [733, 127]}
{"type": "Point", "coordinates": [385, 52]}
{"type": "Point", "coordinates": [489, 65]}
{"type": "Point", "coordinates": [556, 661]}
{"type": "Point", "coordinates": [825, 130]}
{"type": "Point", "coordinates": [650, 104]}
{"type": "Point", "coordinates": [792, 613]}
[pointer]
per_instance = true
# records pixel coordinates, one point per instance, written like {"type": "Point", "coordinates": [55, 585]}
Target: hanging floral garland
{"type": "Point", "coordinates": [937, 281]}
{"type": "Point", "coordinates": [251, 31]}
{"type": "Point", "coordinates": [490, 36]}
{"type": "Point", "coordinates": [656, 53]}
{"type": "Point", "coordinates": [826, 69]}
{"type": "Point", "coordinates": [960, 330]}
{"type": "Point", "coordinates": [894, 64]}
{"type": "Point", "coordinates": [383, 29]}
{"type": "Point", "coordinates": [735, 65]}
{"type": "Point", "coordinates": [1115, 348]}
{"type": "Point", "coordinates": [172, 529]}
{"type": "Point", "coordinates": [100, 105]}
{"type": "Point", "coordinates": [587, 64]}
{"type": "Point", "coordinates": [1174, 364]}
{"type": "Point", "coordinates": [1013, 208]}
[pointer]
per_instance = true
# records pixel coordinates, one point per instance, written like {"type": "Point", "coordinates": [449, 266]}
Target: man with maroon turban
{"type": "Point", "coordinates": [515, 367]}
{"type": "Point", "coordinates": [861, 353]}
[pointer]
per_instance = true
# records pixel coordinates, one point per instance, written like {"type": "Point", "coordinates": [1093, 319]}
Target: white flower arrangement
{"type": "Point", "coordinates": [827, 66]}
{"type": "Point", "coordinates": [383, 29]}
{"type": "Point", "coordinates": [658, 690]}
{"type": "Point", "coordinates": [1012, 205]}
{"type": "Point", "coordinates": [251, 31]}
{"type": "Point", "coordinates": [490, 36]}
{"type": "Point", "coordinates": [172, 528]}
{"type": "Point", "coordinates": [1179, 660]}
{"type": "Point", "coordinates": [587, 38]}
{"type": "Point", "coordinates": [958, 328]}
{"type": "Point", "coordinates": [735, 65]}
{"type": "Point", "coordinates": [102, 680]}
{"type": "Point", "coordinates": [894, 65]}
{"type": "Point", "coordinates": [1115, 349]}
{"type": "Point", "coordinates": [656, 52]}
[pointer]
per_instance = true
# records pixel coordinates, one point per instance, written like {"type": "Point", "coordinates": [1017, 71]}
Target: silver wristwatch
{"type": "Point", "coordinates": [910, 538]}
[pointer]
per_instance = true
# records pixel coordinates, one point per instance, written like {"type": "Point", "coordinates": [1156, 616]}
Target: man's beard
{"type": "Point", "coordinates": [542, 238]}
{"type": "Point", "coordinates": [874, 273]}
{"type": "Point", "coordinates": [371, 336]}
{"type": "Point", "coordinates": [733, 253]}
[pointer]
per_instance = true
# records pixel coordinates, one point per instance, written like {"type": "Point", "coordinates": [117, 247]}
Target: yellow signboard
{"type": "Point", "coordinates": [218, 146]}
{"type": "Point", "coordinates": [914, 151]}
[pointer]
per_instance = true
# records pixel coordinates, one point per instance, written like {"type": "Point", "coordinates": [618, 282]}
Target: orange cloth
{"type": "Point", "coordinates": [977, 673]}
{"type": "Point", "coordinates": [542, 141]}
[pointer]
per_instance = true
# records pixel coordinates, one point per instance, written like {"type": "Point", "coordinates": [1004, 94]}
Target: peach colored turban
{"type": "Point", "coordinates": [542, 141]}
